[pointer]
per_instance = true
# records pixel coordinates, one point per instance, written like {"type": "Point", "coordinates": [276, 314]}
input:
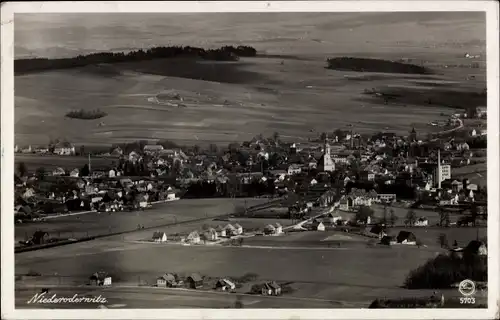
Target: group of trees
{"type": "Point", "coordinates": [206, 189]}
{"type": "Point", "coordinates": [388, 216]}
{"type": "Point", "coordinates": [374, 65]}
{"type": "Point", "coordinates": [445, 270]}
{"type": "Point", "coordinates": [226, 53]}
{"type": "Point", "coordinates": [86, 114]}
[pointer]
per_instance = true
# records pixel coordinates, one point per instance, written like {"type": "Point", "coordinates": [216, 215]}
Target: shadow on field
{"type": "Point", "coordinates": [375, 65]}
{"type": "Point", "coordinates": [438, 96]}
{"type": "Point", "coordinates": [225, 72]}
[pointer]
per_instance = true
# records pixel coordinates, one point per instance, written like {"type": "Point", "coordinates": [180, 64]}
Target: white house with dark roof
{"type": "Point", "coordinates": [152, 148]}
{"type": "Point", "coordinates": [159, 237]}
{"type": "Point", "coordinates": [64, 149]}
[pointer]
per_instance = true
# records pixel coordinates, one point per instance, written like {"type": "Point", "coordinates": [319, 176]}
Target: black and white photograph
{"type": "Point", "coordinates": [250, 155]}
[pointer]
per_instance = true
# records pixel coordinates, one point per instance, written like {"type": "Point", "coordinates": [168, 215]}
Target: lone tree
{"type": "Point", "coordinates": [213, 148]}
{"type": "Point", "coordinates": [392, 217]}
{"type": "Point", "coordinates": [474, 213]}
{"type": "Point", "coordinates": [411, 217]}
{"type": "Point", "coordinates": [21, 168]}
{"type": "Point", "coordinates": [276, 136]}
{"type": "Point", "coordinates": [364, 213]}
{"type": "Point", "coordinates": [443, 240]}
{"type": "Point", "coordinates": [85, 172]}
{"type": "Point", "coordinates": [444, 218]}
{"type": "Point", "coordinates": [322, 136]}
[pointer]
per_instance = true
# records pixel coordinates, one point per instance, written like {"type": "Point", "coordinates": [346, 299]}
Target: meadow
{"type": "Point", "coordinates": [94, 224]}
{"type": "Point", "coordinates": [349, 274]}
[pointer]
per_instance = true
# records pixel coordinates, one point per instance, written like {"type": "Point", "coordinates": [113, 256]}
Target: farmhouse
{"type": "Point", "coordinates": [230, 230]}
{"type": "Point", "coordinates": [239, 229]}
{"type": "Point", "coordinates": [193, 237]}
{"type": "Point", "coordinates": [210, 235]}
{"type": "Point", "coordinates": [167, 280]}
{"type": "Point", "coordinates": [481, 112]}
{"type": "Point", "coordinates": [406, 237]}
{"type": "Point", "coordinates": [386, 197]}
{"type": "Point", "coordinates": [74, 173]}
{"type": "Point", "coordinates": [64, 149]}
{"type": "Point", "coordinates": [267, 289]}
{"type": "Point", "coordinates": [278, 229]}
{"type": "Point", "coordinates": [320, 227]}
{"type": "Point", "coordinates": [269, 229]}
{"type": "Point", "coordinates": [221, 231]}
{"type": "Point", "coordinates": [422, 222]}
{"type": "Point", "coordinates": [379, 230]}
{"type": "Point", "coordinates": [388, 240]}
{"type": "Point", "coordinates": [294, 169]}
{"type": "Point", "coordinates": [40, 237]}
{"type": "Point", "coordinates": [58, 172]}
{"type": "Point", "coordinates": [346, 203]}
{"type": "Point", "coordinates": [224, 285]}
{"type": "Point", "coordinates": [159, 237]}
{"type": "Point", "coordinates": [100, 279]}
{"type": "Point", "coordinates": [194, 281]}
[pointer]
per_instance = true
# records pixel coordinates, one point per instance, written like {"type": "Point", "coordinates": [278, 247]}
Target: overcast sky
{"type": "Point", "coordinates": [62, 35]}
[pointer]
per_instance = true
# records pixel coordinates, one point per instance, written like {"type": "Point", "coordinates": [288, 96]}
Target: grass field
{"type": "Point", "coordinates": [50, 162]}
{"type": "Point", "coordinates": [355, 275]}
{"type": "Point", "coordinates": [93, 224]}
{"type": "Point", "coordinates": [287, 89]}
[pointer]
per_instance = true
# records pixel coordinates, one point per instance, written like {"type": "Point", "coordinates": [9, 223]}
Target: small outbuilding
{"type": "Point", "coordinates": [225, 285]}
{"type": "Point", "coordinates": [100, 279]}
{"type": "Point", "coordinates": [159, 237]}
{"type": "Point", "coordinates": [320, 227]}
{"type": "Point", "coordinates": [267, 289]}
{"type": "Point", "coordinates": [406, 237]}
{"type": "Point", "coordinates": [269, 229]}
{"type": "Point", "coordinates": [193, 237]}
{"type": "Point", "coordinates": [238, 228]}
{"type": "Point", "coordinates": [167, 280]}
{"type": "Point", "coordinates": [194, 281]}
{"type": "Point", "coordinates": [388, 240]}
{"type": "Point", "coordinates": [221, 231]}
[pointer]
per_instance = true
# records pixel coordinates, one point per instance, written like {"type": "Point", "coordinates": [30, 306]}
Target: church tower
{"type": "Point", "coordinates": [327, 163]}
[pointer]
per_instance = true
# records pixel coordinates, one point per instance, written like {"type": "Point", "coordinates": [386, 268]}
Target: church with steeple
{"type": "Point", "coordinates": [326, 163]}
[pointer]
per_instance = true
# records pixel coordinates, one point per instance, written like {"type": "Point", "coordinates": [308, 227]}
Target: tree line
{"type": "Point", "coordinates": [226, 53]}
{"type": "Point", "coordinates": [374, 65]}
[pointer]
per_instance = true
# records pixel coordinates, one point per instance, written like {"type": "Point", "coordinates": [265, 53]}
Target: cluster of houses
{"type": "Point", "coordinates": [209, 234]}
{"type": "Point", "coordinates": [196, 281]}
{"type": "Point", "coordinates": [385, 161]}
{"type": "Point", "coordinates": [60, 194]}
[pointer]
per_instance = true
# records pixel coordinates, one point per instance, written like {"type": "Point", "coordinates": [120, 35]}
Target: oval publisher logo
{"type": "Point", "coordinates": [467, 287]}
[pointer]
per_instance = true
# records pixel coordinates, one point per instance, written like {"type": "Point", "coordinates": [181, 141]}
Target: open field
{"type": "Point", "coordinates": [93, 224]}
{"type": "Point", "coordinates": [354, 276]}
{"type": "Point", "coordinates": [50, 162]}
{"type": "Point", "coordinates": [145, 298]}
{"type": "Point", "coordinates": [476, 173]}
{"type": "Point", "coordinates": [287, 89]}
